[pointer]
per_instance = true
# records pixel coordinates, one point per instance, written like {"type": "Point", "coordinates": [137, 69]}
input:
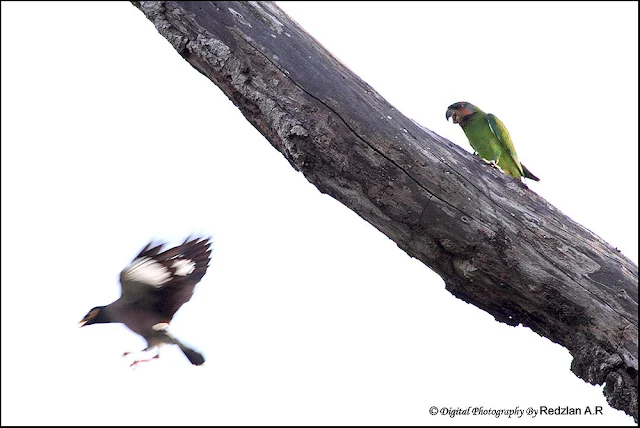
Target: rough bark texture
{"type": "Point", "coordinates": [495, 243]}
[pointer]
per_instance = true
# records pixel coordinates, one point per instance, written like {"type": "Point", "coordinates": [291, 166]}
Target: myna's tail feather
{"type": "Point", "coordinates": [193, 356]}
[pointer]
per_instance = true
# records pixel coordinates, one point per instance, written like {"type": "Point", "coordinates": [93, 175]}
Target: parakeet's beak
{"type": "Point", "coordinates": [453, 113]}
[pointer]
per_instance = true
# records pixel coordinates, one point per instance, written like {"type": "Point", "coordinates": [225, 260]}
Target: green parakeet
{"type": "Point", "coordinates": [489, 138]}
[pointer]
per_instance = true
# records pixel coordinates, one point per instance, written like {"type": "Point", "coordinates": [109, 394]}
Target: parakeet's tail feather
{"type": "Point", "coordinates": [528, 174]}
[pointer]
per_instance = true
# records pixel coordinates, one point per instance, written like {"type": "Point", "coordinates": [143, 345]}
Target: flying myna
{"type": "Point", "coordinates": [154, 286]}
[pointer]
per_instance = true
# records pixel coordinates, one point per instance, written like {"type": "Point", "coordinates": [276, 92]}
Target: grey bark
{"type": "Point", "coordinates": [495, 243]}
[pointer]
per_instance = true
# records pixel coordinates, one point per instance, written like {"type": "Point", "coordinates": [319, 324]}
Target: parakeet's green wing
{"type": "Point", "coordinates": [500, 131]}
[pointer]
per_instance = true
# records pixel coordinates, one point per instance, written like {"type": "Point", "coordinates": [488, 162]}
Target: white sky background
{"type": "Point", "coordinates": [308, 315]}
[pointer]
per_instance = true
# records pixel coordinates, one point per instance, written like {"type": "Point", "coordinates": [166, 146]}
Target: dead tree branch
{"type": "Point", "coordinates": [495, 243]}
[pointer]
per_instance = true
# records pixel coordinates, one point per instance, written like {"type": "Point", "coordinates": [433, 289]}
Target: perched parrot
{"type": "Point", "coordinates": [489, 138]}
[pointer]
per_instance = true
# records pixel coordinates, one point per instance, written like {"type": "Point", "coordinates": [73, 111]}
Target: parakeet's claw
{"type": "Point", "coordinates": [491, 163]}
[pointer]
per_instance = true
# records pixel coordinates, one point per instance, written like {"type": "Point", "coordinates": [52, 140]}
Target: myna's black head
{"type": "Point", "coordinates": [95, 316]}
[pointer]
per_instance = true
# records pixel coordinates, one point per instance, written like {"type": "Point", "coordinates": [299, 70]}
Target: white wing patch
{"type": "Point", "coordinates": [160, 326]}
{"type": "Point", "coordinates": [183, 267]}
{"type": "Point", "coordinates": [147, 271]}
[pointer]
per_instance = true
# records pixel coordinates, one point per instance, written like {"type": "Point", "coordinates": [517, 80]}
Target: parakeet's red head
{"type": "Point", "coordinates": [460, 111]}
